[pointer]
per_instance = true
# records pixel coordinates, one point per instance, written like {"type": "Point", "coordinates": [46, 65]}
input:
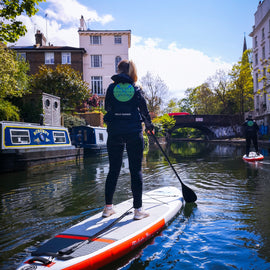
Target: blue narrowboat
{"type": "Point", "coordinates": [25, 144]}
{"type": "Point", "coordinates": [91, 139]}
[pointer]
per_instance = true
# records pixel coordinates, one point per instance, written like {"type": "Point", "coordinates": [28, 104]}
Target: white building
{"type": "Point", "coordinates": [104, 50]}
{"type": "Point", "coordinates": [261, 62]}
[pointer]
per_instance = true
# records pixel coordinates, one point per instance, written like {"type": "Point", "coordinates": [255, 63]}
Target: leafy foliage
{"type": "Point", "coordinates": [72, 120]}
{"type": "Point", "coordinates": [64, 82]}
{"type": "Point", "coordinates": [11, 29]}
{"type": "Point", "coordinates": [14, 82]}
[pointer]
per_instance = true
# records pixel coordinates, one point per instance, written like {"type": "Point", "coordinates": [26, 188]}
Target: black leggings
{"type": "Point", "coordinates": [134, 145]}
{"type": "Point", "coordinates": [248, 143]}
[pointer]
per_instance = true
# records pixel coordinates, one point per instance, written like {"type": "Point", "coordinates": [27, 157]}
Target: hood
{"type": "Point", "coordinates": [122, 78]}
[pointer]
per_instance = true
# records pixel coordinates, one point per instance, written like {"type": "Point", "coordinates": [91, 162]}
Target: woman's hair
{"type": "Point", "coordinates": [129, 68]}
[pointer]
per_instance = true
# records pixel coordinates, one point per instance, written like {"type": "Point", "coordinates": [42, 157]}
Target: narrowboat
{"type": "Point", "coordinates": [91, 139]}
{"type": "Point", "coordinates": [25, 145]}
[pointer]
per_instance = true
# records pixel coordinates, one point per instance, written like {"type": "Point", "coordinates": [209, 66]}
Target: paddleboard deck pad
{"type": "Point", "coordinates": [76, 248]}
{"type": "Point", "coordinates": [253, 157]}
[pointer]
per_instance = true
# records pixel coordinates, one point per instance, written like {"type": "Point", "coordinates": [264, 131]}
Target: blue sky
{"type": "Point", "coordinates": [183, 42]}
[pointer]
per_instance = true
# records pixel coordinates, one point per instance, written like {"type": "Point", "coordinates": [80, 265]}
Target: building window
{"type": "Point", "coordinates": [49, 58]}
{"type": "Point", "coordinates": [256, 59]}
{"type": "Point", "coordinates": [257, 106]}
{"type": "Point", "coordinates": [264, 99]}
{"type": "Point", "coordinates": [256, 42]}
{"type": "Point", "coordinates": [263, 52]}
{"type": "Point", "coordinates": [66, 58]}
{"type": "Point", "coordinates": [263, 33]}
{"type": "Point", "coordinates": [95, 40]}
{"type": "Point", "coordinates": [96, 61]}
{"type": "Point", "coordinates": [97, 85]}
{"type": "Point", "coordinates": [117, 61]}
{"type": "Point", "coordinates": [117, 39]}
{"type": "Point", "coordinates": [21, 55]}
{"type": "Point", "coordinates": [256, 81]}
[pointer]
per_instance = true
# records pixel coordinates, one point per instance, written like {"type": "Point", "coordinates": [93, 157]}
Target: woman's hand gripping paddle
{"type": "Point", "coordinates": [188, 194]}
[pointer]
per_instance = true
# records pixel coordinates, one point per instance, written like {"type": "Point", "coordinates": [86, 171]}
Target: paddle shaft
{"type": "Point", "coordinates": [188, 194]}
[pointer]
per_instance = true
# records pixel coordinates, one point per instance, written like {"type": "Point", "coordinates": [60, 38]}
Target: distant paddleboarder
{"type": "Point", "coordinates": [251, 130]}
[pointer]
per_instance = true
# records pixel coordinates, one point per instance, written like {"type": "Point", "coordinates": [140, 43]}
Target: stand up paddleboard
{"type": "Point", "coordinates": [253, 157]}
{"type": "Point", "coordinates": [97, 241]}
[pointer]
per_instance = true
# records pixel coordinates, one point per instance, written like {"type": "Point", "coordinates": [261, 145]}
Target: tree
{"type": "Point", "coordinates": [13, 82]}
{"type": "Point", "coordinates": [64, 82]}
{"type": "Point", "coordinates": [241, 86]}
{"type": "Point", "coordinates": [201, 99]}
{"type": "Point", "coordinates": [219, 85]}
{"type": "Point", "coordinates": [11, 29]}
{"type": "Point", "coordinates": [155, 91]}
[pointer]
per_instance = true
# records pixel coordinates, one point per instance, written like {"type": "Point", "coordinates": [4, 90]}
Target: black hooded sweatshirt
{"type": "Point", "coordinates": [126, 107]}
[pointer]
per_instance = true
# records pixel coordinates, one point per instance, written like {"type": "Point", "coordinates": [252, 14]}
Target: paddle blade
{"type": "Point", "coordinates": [188, 194]}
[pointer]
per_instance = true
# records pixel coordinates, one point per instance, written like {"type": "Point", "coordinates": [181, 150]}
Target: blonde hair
{"type": "Point", "coordinates": [129, 68]}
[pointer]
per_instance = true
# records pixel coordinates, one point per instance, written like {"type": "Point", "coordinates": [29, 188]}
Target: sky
{"type": "Point", "coordinates": [182, 42]}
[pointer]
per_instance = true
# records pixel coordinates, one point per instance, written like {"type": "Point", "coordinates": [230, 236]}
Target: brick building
{"type": "Point", "coordinates": [41, 54]}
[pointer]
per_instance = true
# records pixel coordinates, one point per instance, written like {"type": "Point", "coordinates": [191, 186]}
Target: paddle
{"type": "Point", "coordinates": [188, 194]}
{"type": "Point", "coordinates": [70, 249]}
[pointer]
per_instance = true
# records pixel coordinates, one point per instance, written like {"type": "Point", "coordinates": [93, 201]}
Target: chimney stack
{"type": "Point", "coordinates": [82, 24]}
{"type": "Point", "coordinates": [40, 39]}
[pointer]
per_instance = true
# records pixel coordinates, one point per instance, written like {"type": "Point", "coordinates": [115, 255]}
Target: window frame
{"type": "Point", "coordinates": [96, 60]}
{"type": "Point", "coordinates": [97, 85]}
{"type": "Point", "coordinates": [19, 137]}
{"type": "Point", "coordinates": [95, 40]}
{"type": "Point", "coordinates": [66, 58]}
{"type": "Point", "coordinates": [49, 58]}
{"type": "Point", "coordinates": [117, 39]}
{"type": "Point", "coordinates": [59, 135]}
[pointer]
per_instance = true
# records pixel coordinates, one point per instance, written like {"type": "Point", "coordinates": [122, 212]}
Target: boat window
{"type": "Point", "coordinates": [101, 138]}
{"type": "Point", "coordinates": [59, 137]}
{"type": "Point", "coordinates": [19, 136]}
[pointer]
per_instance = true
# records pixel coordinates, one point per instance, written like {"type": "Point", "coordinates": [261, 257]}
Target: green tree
{"type": "Point", "coordinates": [11, 28]}
{"type": "Point", "coordinates": [13, 82]}
{"type": "Point", "coordinates": [155, 91]}
{"type": "Point", "coordinates": [64, 82]}
{"type": "Point", "coordinates": [241, 86]}
{"type": "Point", "coordinates": [201, 99]}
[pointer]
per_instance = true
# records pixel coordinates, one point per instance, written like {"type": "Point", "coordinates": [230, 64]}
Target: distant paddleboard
{"type": "Point", "coordinates": [97, 241]}
{"type": "Point", "coordinates": [253, 157]}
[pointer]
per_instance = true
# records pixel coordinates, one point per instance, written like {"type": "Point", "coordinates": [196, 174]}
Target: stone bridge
{"type": "Point", "coordinates": [213, 126]}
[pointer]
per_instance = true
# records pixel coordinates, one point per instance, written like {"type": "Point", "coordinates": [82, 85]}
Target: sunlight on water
{"type": "Point", "coordinates": [227, 228]}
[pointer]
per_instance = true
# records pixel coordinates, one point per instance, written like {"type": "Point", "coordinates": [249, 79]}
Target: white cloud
{"type": "Point", "coordinates": [179, 68]}
{"type": "Point", "coordinates": [69, 11]}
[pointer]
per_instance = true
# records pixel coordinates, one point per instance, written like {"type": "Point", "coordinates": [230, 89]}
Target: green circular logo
{"type": "Point", "coordinates": [250, 123]}
{"type": "Point", "coordinates": [123, 92]}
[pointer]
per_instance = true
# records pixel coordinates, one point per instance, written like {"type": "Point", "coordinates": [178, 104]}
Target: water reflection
{"type": "Point", "coordinates": [229, 223]}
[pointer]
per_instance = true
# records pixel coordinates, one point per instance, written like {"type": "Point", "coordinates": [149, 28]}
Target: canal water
{"type": "Point", "coordinates": [227, 228]}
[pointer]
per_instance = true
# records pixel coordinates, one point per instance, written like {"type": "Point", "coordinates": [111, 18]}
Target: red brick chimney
{"type": "Point", "coordinates": [40, 39]}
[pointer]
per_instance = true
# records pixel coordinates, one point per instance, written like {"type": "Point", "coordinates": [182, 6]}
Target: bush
{"type": "Point", "coordinates": [71, 120]}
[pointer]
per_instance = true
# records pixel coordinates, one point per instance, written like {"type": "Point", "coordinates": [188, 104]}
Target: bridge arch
{"type": "Point", "coordinates": [213, 126]}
